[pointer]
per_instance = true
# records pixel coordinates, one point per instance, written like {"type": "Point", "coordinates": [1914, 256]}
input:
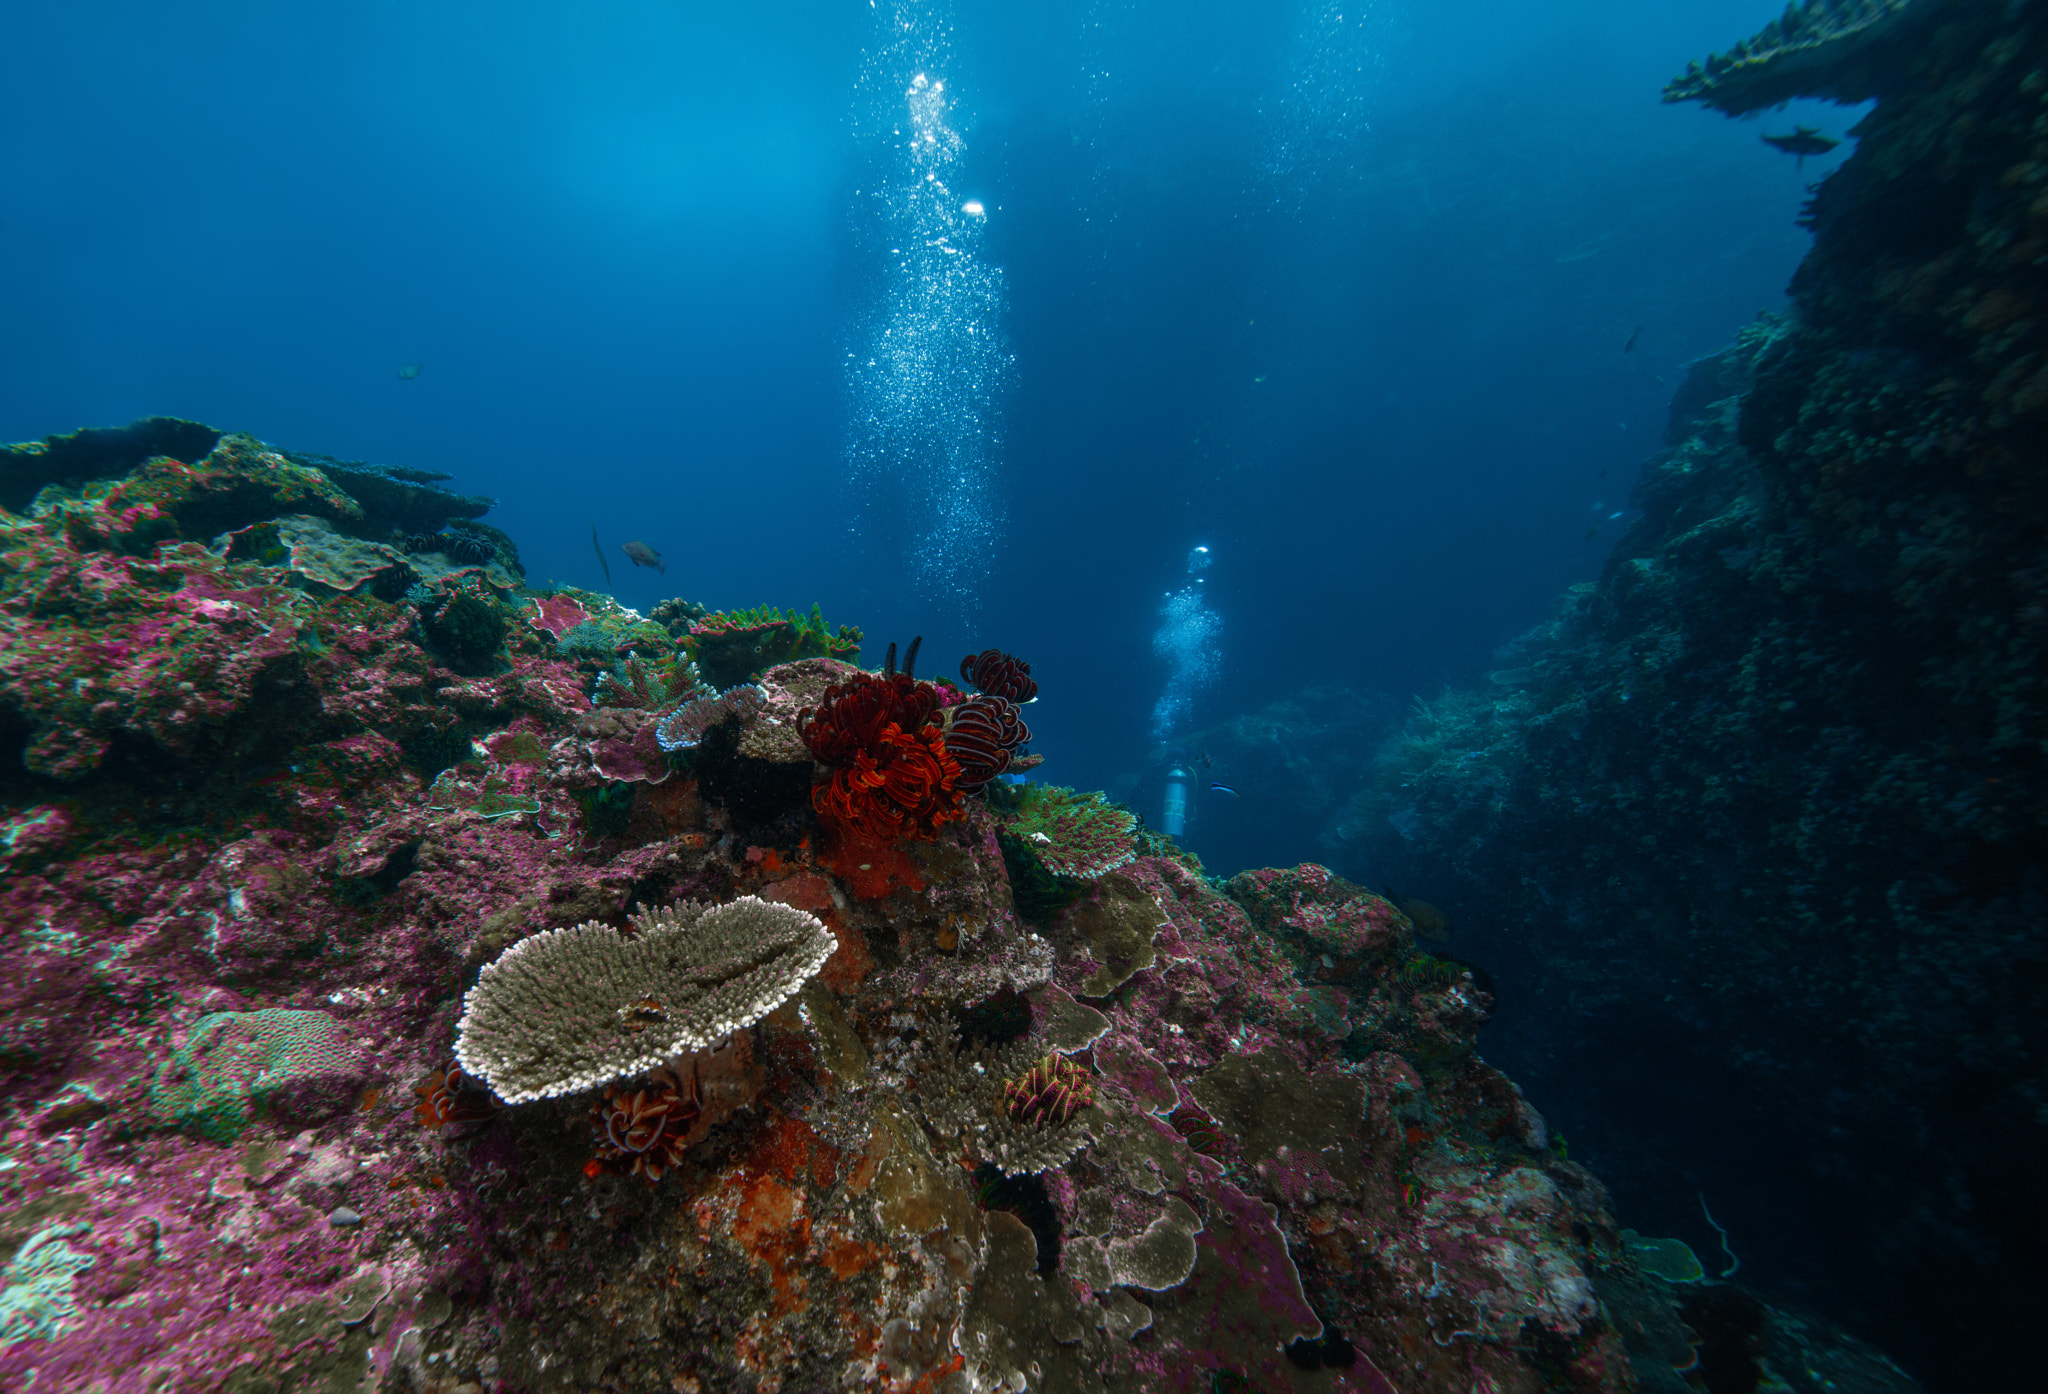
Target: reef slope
{"type": "Point", "coordinates": [1756, 827]}
{"type": "Point", "coordinates": [281, 780]}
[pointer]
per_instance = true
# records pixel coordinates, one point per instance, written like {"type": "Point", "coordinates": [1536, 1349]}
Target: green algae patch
{"type": "Point", "coordinates": [36, 1301]}
{"type": "Point", "coordinates": [235, 1063]}
{"type": "Point", "coordinates": [1118, 925]}
{"type": "Point", "coordinates": [1670, 1259]}
{"type": "Point", "coordinates": [1274, 1109]}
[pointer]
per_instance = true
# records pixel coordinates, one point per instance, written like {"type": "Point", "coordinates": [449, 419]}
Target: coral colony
{"type": "Point", "coordinates": [414, 980]}
{"type": "Point", "coordinates": [417, 981]}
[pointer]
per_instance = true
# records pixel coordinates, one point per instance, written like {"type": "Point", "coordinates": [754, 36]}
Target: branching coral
{"type": "Point", "coordinates": [586, 639]}
{"type": "Point", "coordinates": [686, 725]}
{"type": "Point", "coordinates": [892, 776]}
{"type": "Point", "coordinates": [1822, 48]}
{"type": "Point", "coordinates": [1010, 1107]}
{"type": "Point", "coordinates": [737, 646]}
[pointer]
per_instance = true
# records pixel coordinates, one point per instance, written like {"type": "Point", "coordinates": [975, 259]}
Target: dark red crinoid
{"type": "Point", "coordinates": [449, 1096]}
{"type": "Point", "coordinates": [891, 774]}
{"type": "Point", "coordinates": [1048, 1093]}
{"type": "Point", "coordinates": [855, 711]}
{"type": "Point", "coordinates": [982, 735]}
{"type": "Point", "coordinates": [645, 1131]}
{"type": "Point", "coordinates": [999, 675]}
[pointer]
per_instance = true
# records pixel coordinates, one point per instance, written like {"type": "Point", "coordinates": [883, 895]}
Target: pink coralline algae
{"type": "Point", "coordinates": [556, 615]}
{"type": "Point", "coordinates": [261, 840]}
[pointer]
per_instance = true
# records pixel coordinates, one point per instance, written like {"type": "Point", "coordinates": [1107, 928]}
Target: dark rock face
{"type": "Point", "coordinates": [1753, 833]}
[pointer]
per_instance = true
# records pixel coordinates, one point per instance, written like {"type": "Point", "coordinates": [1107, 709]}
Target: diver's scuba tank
{"type": "Point", "coordinates": [1173, 808]}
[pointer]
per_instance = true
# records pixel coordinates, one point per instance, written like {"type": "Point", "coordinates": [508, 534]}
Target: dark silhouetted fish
{"type": "Point", "coordinates": [1803, 141]}
{"type": "Point", "coordinates": [598, 548]}
{"type": "Point", "coordinates": [1429, 922]}
{"type": "Point", "coordinates": [644, 555]}
{"type": "Point", "coordinates": [1223, 789]}
{"type": "Point", "coordinates": [1630, 346]}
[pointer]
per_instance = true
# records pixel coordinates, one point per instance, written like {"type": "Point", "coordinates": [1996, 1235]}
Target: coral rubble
{"type": "Point", "coordinates": [298, 873]}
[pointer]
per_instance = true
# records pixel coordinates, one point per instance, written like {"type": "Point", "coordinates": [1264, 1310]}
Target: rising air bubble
{"type": "Point", "coordinates": [929, 374]}
{"type": "Point", "coordinates": [1187, 640]}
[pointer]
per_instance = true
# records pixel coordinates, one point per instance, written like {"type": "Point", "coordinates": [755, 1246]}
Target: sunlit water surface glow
{"type": "Point", "coordinates": [927, 370]}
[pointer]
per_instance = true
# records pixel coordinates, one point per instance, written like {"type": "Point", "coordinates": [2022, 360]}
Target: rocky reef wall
{"type": "Point", "coordinates": [1755, 832]}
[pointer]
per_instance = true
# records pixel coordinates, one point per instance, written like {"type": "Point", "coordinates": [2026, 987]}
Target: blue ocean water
{"type": "Point", "coordinates": [1199, 353]}
{"type": "Point", "coordinates": [967, 320]}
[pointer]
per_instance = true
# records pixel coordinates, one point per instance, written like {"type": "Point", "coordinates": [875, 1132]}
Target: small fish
{"type": "Point", "coordinates": [1429, 922]}
{"type": "Point", "coordinates": [1612, 516]}
{"type": "Point", "coordinates": [1803, 141]}
{"type": "Point", "coordinates": [643, 555]}
{"type": "Point", "coordinates": [597, 547]}
{"type": "Point", "coordinates": [1592, 532]}
{"type": "Point", "coordinates": [1222, 789]}
{"type": "Point", "coordinates": [1630, 346]}
{"type": "Point", "coordinates": [409, 371]}
{"type": "Point", "coordinates": [1206, 761]}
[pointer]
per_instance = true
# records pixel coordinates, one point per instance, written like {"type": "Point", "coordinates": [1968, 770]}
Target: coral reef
{"type": "Point", "coordinates": [1068, 834]}
{"type": "Point", "coordinates": [851, 1113]}
{"type": "Point", "coordinates": [1837, 49]}
{"type": "Point", "coordinates": [1782, 768]}
{"type": "Point", "coordinates": [734, 647]}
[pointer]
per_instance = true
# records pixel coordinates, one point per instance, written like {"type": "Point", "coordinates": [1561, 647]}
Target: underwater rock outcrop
{"type": "Point", "coordinates": [1753, 830]}
{"type": "Point", "coordinates": [1149, 1132]}
{"type": "Point", "coordinates": [1842, 50]}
